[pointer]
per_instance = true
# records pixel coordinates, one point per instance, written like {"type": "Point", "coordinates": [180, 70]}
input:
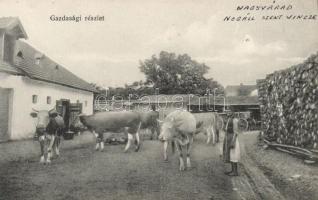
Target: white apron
{"type": "Point", "coordinates": [235, 153]}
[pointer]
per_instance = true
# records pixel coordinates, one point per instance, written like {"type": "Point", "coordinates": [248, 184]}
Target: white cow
{"type": "Point", "coordinates": [209, 124]}
{"type": "Point", "coordinates": [179, 128]}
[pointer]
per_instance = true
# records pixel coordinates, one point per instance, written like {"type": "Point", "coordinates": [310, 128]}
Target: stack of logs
{"type": "Point", "coordinates": [289, 105]}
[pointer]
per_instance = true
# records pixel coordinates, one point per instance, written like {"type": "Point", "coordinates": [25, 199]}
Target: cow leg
{"type": "Point", "coordinates": [49, 149]}
{"type": "Point", "coordinates": [57, 145]}
{"type": "Point", "coordinates": [97, 140]}
{"type": "Point", "coordinates": [42, 140]}
{"type": "Point", "coordinates": [217, 134]}
{"type": "Point", "coordinates": [173, 146]}
{"type": "Point", "coordinates": [130, 138]}
{"type": "Point", "coordinates": [101, 141]}
{"type": "Point", "coordinates": [181, 162]}
{"type": "Point", "coordinates": [209, 135]}
{"type": "Point", "coordinates": [97, 146]}
{"type": "Point", "coordinates": [138, 138]}
{"type": "Point", "coordinates": [165, 148]}
{"type": "Point", "coordinates": [102, 145]}
{"type": "Point", "coordinates": [151, 133]}
{"type": "Point", "coordinates": [189, 145]}
{"type": "Point", "coordinates": [213, 135]}
{"type": "Point", "coordinates": [138, 142]}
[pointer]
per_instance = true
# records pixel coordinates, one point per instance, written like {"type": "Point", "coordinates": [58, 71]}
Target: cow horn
{"type": "Point", "coordinates": [35, 110]}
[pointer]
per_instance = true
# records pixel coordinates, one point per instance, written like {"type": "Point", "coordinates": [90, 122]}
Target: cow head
{"type": "Point", "coordinates": [43, 117]}
{"type": "Point", "coordinates": [167, 129]}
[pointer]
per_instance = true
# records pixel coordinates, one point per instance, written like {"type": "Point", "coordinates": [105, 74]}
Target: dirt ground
{"type": "Point", "coordinates": [290, 175]}
{"type": "Point", "coordinates": [83, 173]}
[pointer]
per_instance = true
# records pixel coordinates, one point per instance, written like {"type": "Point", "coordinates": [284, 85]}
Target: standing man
{"type": "Point", "coordinates": [155, 127]}
{"type": "Point", "coordinates": [231, 145]}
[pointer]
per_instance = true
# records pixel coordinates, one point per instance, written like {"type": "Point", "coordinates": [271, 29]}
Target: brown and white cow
{"type": "Point", "coordinates": [49, 128]}
{"type": "Point", "coordinates": [128, 121]}
{"type": "Point", "coordinates": [179, 128]}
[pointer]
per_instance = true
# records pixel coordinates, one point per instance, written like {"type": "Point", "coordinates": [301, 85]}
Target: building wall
{"type": "Point", "coordinates": [22, 125]}
{"type": "Point", "coordinates": [1, 44]}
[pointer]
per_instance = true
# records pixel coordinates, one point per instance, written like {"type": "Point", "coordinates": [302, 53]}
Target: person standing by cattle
{"type": "Point", "coordinates": [49, 124]}
{"type": "Point", "coordinates": [55, 129]}
{"type": "Point", "coordinates": [231, 145]}
{"type": "Point", "coordinates": [153, 123]}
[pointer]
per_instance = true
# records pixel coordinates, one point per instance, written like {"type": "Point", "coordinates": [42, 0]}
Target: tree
{"type": "Point", "coordinates": [177, 74]}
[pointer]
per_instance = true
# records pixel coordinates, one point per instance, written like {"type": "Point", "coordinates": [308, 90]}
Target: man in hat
{"type": "Point", "coordinates": [231, 146]}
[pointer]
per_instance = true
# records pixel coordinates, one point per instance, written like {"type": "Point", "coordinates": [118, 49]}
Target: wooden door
{"type": "Point", "coordinates": [4, 113]}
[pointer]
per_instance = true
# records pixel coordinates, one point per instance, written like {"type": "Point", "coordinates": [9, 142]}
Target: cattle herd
{"type": "Point", "coordinates": [178, 128]}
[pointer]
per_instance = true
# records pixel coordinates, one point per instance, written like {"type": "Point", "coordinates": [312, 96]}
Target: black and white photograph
{"type": "Point", "coordinates": [158, 99]}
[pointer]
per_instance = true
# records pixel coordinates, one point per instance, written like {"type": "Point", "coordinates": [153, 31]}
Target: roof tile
{"type": "Point", "coordinates": [47, 70]}
{"type": "Point", "coordinates": [6, 67]}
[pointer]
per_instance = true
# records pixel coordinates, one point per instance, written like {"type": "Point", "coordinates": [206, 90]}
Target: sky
{"type": "Point", "coordinates": [109, 52]}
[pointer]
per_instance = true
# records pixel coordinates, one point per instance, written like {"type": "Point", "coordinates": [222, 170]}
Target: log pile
{"type": "Point", "coordinates": [289, 105]}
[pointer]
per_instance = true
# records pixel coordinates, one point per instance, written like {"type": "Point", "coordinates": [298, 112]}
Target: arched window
{"type": "Point", "coordinates": [20, 54]}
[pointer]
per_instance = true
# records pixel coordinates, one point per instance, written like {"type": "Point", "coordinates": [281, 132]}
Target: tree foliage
{"type": "Point", "coordinates": [177, 74]}
{"type": "Point", "coordinates": [171, 74]}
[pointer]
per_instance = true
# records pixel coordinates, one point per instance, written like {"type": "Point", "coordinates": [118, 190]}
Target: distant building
{"type": "Point", "coordinates": [31, 80]}
{"type": "Point", "coordinates": [241, 90]}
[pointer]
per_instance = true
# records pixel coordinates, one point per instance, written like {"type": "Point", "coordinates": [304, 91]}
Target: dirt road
{"type": "Point", "coordinates": [82, 173]}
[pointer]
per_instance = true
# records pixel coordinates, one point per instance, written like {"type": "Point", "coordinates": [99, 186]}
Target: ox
{"type": "Point", "coordinates": [210, 125]}
{"type": "Point", "coordinates": [179, 128]}
{"type": "Point", "coordinates": [128, 121]}
{"type": "Point", "coordinates": [49, 128]}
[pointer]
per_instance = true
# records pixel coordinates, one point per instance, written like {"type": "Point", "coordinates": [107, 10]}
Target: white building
{"type": "Point", "coordinates": [30, 80]}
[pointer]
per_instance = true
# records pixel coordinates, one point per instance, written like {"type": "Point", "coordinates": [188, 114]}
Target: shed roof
{"type": "Point", "coordinates": [229, 100]}
{"type": "Point", "coordinates": [165, 98]}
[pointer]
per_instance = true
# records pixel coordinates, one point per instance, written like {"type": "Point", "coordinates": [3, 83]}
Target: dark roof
{"type": "Point", "coordinates": [230, 89]}
{"type": "Point", "coordinates": [242, 100]}
{"type": "Point", "coordinates": [229, 100]}
{"type": "Point", "coordinates": [47, 70]}
{"type": "Point", "coordinates": [13, 24]}
{"type": "Point", "coordinates": [6, 67]}
{"type": "Point", "coordinates": [163, 98]}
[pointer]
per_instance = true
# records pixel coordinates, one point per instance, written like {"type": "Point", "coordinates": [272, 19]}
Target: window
{"type": "Point", "coordinates": [85, 103]}
{"type": "Point", "coordinates": [37, 61]}
{"type": "Point", "coordinates": [48, 100]}
{"type": "Point", "coordinates": [34, 99]}
{"type": "Point", "coordinates": [20, 54]}
{"type": "Point", "coordinates": [38, 56]}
